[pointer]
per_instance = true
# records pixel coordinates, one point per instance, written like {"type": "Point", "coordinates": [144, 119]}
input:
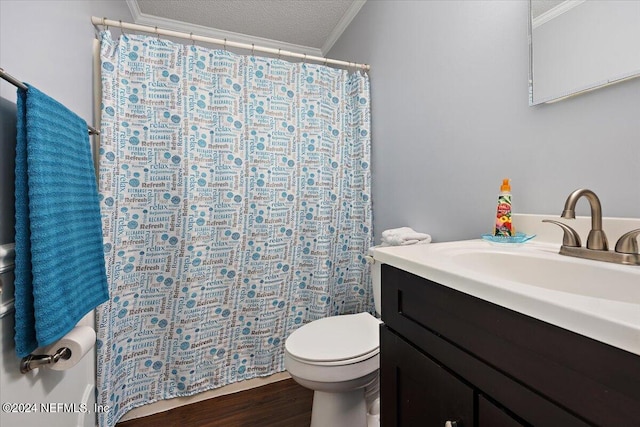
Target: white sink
{"type": "Point", "coordinates": [596, 299]}
{"type": "Point", "coordinates": [557, 272]}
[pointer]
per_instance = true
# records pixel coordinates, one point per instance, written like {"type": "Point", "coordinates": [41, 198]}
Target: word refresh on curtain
{"type": "Point", "coordinates": [235, 200]}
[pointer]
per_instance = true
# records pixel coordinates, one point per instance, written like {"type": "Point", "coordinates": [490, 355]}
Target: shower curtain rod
{"type": "Point", "coordinates": [226, 43]}
{"type": "Point", "coordinates": [17, 83]}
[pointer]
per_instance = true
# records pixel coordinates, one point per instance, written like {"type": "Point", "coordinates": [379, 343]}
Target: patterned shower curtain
{"type": "Point", "coordinates": [235, 197]}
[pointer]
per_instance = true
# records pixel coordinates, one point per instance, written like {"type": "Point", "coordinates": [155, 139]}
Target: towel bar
{"type": "Point", "coordinates": [35, 361]}
{"type": "Point", "coordinates": [17, 83]}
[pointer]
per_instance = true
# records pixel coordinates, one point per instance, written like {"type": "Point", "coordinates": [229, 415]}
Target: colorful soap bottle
{"type": "Point", "coordinates": [503, 225]}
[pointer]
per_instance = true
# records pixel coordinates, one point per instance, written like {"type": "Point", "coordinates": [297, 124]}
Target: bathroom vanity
{"type": "Point", "coordinates": [449, 356]}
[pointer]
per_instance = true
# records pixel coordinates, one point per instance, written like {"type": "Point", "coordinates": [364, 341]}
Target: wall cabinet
{"type": "Point", "coordinates": [450, 357]}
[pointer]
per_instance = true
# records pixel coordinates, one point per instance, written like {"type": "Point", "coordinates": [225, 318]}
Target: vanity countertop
{"type": "Point", "coordinates": [596, 299]}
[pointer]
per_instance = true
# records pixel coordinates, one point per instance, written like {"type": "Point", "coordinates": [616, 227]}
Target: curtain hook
{"type": "Point", "coordinates": [104, 24]}
{"type": "Point", "coordinates": [157, 33]}
{"type": "Point", "coordinates": [253, 47]}
{"type": "Point", "coordinates": [278, 53]}
{"type": "Point", "coordinates": [122, 29]}
{"type": "Point", "coordinates": [193, 42]}
{"type": "Point", "coordinates": [325, 61]}
{"type": "Point", "coordinates": [304, 60]}
{"type": "Point", "coordinates": [225, 45]}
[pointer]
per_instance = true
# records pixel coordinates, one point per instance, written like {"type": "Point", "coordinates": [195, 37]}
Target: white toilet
{"type": "Point", "coordinates": [338, 358]}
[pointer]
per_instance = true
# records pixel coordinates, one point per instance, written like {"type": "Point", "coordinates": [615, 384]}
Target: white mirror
{"type": "Point", "coordinates": [580, 45]}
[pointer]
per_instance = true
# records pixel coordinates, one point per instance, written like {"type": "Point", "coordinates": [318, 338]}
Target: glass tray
{"type": "Point", "coordinates": [518, 238]}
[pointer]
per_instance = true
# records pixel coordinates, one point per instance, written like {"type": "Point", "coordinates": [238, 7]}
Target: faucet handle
{"type": "Point", "coordinates": [571, 237]}
{"type": "Point", "coordinates": [628, 243]}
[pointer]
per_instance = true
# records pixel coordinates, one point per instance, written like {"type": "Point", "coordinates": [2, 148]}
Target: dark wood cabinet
{"type": "Point", "coordinates": [490, 415]}
{"type": "Point", "coordinates": [424, 393]}
{"type": "Point", "coordinates": [449, 356]}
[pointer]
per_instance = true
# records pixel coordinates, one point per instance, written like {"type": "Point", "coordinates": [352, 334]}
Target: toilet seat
{"type": "Point", "coordinates": [337, 340]}
{"type": "Point", "coordinates": [336, 362]}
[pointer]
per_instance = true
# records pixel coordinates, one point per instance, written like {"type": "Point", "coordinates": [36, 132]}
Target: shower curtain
{"type": "Point", "coordinates": [235, 197]}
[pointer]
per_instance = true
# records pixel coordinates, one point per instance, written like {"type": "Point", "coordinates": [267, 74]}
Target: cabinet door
{"type": "Point", "coordinates": [416, 391]}
{"type": "Point", "coordinates": [489, 415]}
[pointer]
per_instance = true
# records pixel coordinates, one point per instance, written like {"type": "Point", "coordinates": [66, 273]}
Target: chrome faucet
{"type": "Point", "coordinates": [626, 249]}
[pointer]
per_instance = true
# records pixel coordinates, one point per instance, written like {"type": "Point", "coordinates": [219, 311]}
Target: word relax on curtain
{"type": "Point", "coordinates": [235, 200]}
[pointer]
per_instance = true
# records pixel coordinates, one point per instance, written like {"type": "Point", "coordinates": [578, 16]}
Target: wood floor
{"type": "Point", "coordinates": [280, 404]}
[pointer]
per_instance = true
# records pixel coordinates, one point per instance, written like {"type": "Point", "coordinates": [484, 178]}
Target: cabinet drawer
{"type": "Point", "coordinates": [416, 391]}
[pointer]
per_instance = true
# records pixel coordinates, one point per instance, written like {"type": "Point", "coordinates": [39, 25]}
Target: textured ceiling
{"type": "Point", "coordinates": [300, 22]}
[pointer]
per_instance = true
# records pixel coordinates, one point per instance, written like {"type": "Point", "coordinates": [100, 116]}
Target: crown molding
{"type": "Point", "coordinates": [555, 12]}
{"type": "Point", "coordinates": [175, 25]}
{"type": "Point", "coordinates": [342, 25]}
{"type": "Point", "coordinates": [134, 9]}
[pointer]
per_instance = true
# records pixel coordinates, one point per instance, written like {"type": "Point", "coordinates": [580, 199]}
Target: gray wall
{"type": "Point", "coordinates": [450, 119]}
{"type": "Point", "coordinates": [48, 43]}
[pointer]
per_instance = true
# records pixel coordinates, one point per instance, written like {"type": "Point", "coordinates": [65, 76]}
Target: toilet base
{"type": "Point", "coordinates": [346, 409]}
{"type": "Point", "coordinates": [373, 413]}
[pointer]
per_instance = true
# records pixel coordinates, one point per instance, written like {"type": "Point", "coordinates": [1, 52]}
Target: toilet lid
{"type": "Point", "coordinates": [335, 338]}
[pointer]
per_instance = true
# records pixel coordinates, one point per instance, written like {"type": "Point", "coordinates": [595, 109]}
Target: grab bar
{"type": "Point", "coordinates": [7, 258]}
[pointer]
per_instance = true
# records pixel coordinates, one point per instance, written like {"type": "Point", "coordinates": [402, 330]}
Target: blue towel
{"type": "Point", "coordinates": [59, 267]}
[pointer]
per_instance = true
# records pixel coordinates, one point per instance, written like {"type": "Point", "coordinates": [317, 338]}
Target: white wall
{"type": "Point", "coordinates": [450, 112]}
{"type": "Point", "coordinates": [47, 44]}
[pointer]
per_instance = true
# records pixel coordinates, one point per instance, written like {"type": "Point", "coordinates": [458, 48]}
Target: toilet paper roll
{"type": "Point", "coordinates": [80, 340]}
